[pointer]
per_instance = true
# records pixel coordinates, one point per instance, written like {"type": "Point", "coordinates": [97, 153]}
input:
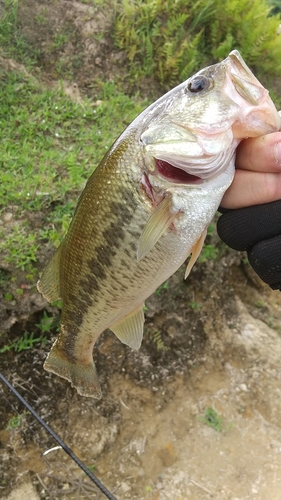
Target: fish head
{"type": "Point", "coordinates": [195, 129]}
{"type": "Point", "coordinates": [259, 115]}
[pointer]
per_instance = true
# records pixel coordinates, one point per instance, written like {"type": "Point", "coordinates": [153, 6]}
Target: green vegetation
{"type": "Point", "coordinates": [210, 249]}
{"type": "Point", "coordinates": [275, 5]}
{"type": "Point", "coordinates": [51, 144]}
{"type": "Point", "coordinates": [170, 40]}
{"type": "Point", "coordinates": [157, 338]}
{"type": "Point", "coordinates": [91, 467]}
{"type": "Point", "coordinates": [212, 419]}
{"type": "Point", "coordinates": [24, 343]}
{"type": "Point", "coordinates": [49, 147]}
{"type": "Point", "coordinates": [19, 238]}
{"type": "Point", "coordinates": [195, 306]}
{"type": "Point", "coordinates": [16, 421]}
{"type": "Point", "coordinates": [162, 288]}
{"type": "Point", "coordinates": [11, 38]}
{"type": "Point", "coordinates": [46, 323]}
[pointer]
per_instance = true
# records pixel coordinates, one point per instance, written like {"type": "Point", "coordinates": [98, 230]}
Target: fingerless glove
{"type": "Point", "coordinates": [257, 230]}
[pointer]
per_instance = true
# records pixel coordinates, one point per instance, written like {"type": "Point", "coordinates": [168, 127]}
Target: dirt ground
{"type": "Point", "coordinates": [146, 438]}
{"type": "Point", "coordinates": [210, 342]}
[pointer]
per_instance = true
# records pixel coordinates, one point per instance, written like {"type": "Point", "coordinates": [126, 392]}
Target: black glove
{"type": "Point", "coordinates": [257, 230]}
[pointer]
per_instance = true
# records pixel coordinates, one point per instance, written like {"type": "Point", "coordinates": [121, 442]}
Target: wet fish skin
{"type": "Point", "coordinates": [145, 208]}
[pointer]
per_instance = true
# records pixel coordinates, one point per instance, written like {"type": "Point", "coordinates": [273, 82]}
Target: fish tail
{"type": "Point", "coordinates": [82, 377]}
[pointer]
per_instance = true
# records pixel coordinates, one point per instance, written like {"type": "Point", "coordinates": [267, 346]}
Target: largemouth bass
{"type": "Point", "coordinates": [146, 208]}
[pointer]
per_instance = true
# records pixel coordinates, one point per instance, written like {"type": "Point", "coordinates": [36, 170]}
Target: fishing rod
{"type": "Point", "coordinates": [59, 440]}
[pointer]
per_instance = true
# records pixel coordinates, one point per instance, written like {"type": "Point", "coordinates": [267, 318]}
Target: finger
{"type": "Point", "coordinates": [261, 154]}
{"type": "Point", "coordinates": [243, 228]}
{"type": "Point", "coordinates": [264, 258]}
{"type": "Point", "coordinates": [252, 188]}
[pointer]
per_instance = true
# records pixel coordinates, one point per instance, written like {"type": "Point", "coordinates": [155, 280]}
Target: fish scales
{"type": "Point", "coordinates": [106, 278]}
{"type": "Point", "coordinates": [99, 239]}
{"type": "Point", "coordinates": [146, 208]}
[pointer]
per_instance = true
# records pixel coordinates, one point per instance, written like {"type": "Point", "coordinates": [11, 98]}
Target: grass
{"type": "Point", "coordinates": [162, 288]}
{"type": "Point", "coordinates": [12, 39]}
{"type": "Point", "coordinates": [27, 341]}
{"type": "Point", "coordinates": [16, 421]}
{"type": "Point", "coordinates": [210, 249]}
{"type": "Point", "coordinates": [50, 145]}
{"type": "Point", "coordinates": [212, 419]}
{"type": "Point", "coordinates": [157, 338]}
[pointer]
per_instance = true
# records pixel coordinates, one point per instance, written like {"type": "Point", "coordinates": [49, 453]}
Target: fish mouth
{"type": "Point", "coordinates": [174, 174]}
{"type": "Point", "coordinates": [183, 169]}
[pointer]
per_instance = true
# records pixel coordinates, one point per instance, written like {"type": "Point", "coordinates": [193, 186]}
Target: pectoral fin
{"type": "Point", "coordinates": [159, 221]}
{"type": "Point", "coordinates": [196, 250]}
{"type": "Point", "coordinates": [49, 283]}
{"type": "Point", "coordinates": [130, 329]}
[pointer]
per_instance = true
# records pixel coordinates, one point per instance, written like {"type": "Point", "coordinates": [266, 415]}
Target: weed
{"type": "Point", "coordinates": [275, 6]}
{"type": "Point", "coordinates": [91, 467]}
{"type": "Point", "coordinates": [15, 421]}
{"type": "Point", "coordinates": [11, 39]}
{"type": "Point", "coordinates": [162, 288]}
{"type": "Point", "coordinates": [99, 36]}
{"type": "Point", "coordinates": [156, 337]}
{"type": "Point", "coordinates": [57, 303]}
{"type": "Point", "coordinates": [212, 419]}
{"type": "Point", "coordinates": [209, 252]}
{"type": "Point", "coordinates": [41, 18]}
{"type": "Point", "coordinates": [195, 305]}
{"type": "Point", "coordinates": [59, 40]}
{"type": "Point", "coordinates": [170, 40]}
{"type": "Point", "coordinates": [46, 323]}
{"type": "Point", "coordinates": [260, 304]}
{"type": "Point", "coordinates": [21, 247]}
{"type": "Point", "coordinates": [22, 344]}
{"type": "Point", "coordinates": [8, 297]}
{"type": "Point", "coordinates": [4, 277]}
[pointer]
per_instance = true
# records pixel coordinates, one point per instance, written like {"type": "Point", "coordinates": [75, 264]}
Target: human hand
{"type": "Point", "coordinates": [258, 173]}
{"type": "Point", "coordinates": [252, 221]}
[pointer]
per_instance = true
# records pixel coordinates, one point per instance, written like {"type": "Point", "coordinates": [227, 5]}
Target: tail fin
{"type": "Point", "coordinates": [83, 377]}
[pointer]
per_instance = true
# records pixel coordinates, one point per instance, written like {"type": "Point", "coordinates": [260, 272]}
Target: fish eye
{"type": "Point", "coordinates": [199, 83]}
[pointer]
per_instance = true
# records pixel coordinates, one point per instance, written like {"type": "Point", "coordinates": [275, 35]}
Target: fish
{"type": "Point", "coordinates": [146, 208]}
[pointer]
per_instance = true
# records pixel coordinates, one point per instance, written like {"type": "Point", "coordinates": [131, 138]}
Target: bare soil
{"type": "Point", "coordinates": [211, 342]}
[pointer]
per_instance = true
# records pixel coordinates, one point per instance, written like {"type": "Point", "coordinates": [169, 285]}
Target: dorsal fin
{"type": "Point", "coordinates": [49, 283]}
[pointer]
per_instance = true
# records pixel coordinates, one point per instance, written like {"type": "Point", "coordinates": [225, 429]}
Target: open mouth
{"type": "Point", "coordinates": [174, 174]}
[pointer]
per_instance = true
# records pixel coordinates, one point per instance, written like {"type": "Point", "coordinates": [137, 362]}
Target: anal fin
{"type": "Point", "coordinates": [130, 329]}
{"type": "Point", "coordinates": [157, 224]}
{"type": "Point", "coordinates": [196, 250]}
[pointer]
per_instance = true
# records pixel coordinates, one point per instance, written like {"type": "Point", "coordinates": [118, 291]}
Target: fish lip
{"type": "Point", "coordinates": [174, 174]}
{"type": "Point", "coordinates": [249, 91]}
{"type": "Point", "coordinates": [193, 170]}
